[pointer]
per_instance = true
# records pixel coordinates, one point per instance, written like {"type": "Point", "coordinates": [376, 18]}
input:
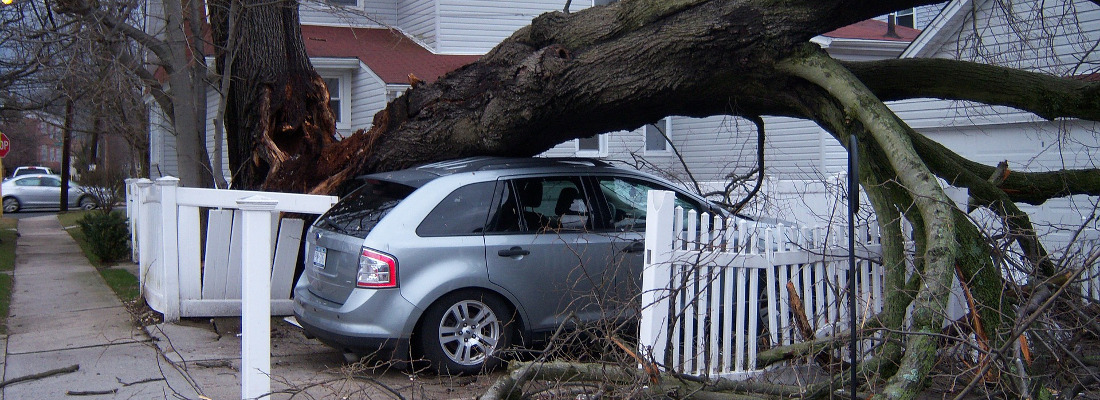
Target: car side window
{"type": "Point", "coordinates": [27, 182]}
{"type": "Point", "coordinates": [50, 182]}
{"type": "Point", "coordinates": [626, 201]}
{"type": "Point", "coordinates": [463, 212]}
{"type": "Point", "coordinates": [534, 205]}
{"type": "Point", "coordinates": [504, 216]}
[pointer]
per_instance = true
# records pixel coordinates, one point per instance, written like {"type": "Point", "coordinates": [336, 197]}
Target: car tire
{"type": "Point", "coordinates": [465, 333]}
{"type": "Point", "coordinates": [12, 204]}
{"type": "Point", "coordinates": [88, 203]}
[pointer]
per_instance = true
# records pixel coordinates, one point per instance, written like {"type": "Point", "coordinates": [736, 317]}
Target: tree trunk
{"type": "Point", "coordinates": [277, 107]}
{"type": "Point", "coordinates": [66, 153]}
{"type": "Point", "coordinates": [188, 113]}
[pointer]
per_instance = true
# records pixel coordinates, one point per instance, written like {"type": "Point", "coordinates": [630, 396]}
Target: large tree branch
{"type": "Point", "coordinates": [887, 132]}
{"type": "Point", "coordinates": [156, 88]}
{"type": "Point", "coordinates": [1044, 95]}
{"type": "Point", "coordinates": [575, 75]}
{"type": "Point", "coordinates": [88, 10]}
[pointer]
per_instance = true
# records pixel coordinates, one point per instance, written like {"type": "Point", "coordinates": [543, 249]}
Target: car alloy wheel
{"type": "Point", "coordinates": [11, 204]}
{"type": "Point", "coordinates": [87, 203]}
{"type": "Point", "coordinates": [464, 333]}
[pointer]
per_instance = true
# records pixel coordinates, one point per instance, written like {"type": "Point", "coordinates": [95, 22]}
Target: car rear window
{"type": "Point", "coordinates": [358, 212]}
{"type": "Point", "coordinates": [28, 171]}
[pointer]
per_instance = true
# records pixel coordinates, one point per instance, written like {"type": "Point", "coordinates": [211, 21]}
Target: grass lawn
{"type": "Point", "coordinates": [7, 264]}
{"type": "Point", "coordinates": [124, 283]}
{"type": "Point", "coordinates": [68, 221]}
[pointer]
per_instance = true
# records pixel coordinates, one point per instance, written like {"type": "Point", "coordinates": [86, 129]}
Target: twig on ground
{"type": "Point", "coordinates": [91, 392]}
{"type": "Point", "coordinates": [124, 384]}
{"type": "Point", "coordinates": [40, 375]}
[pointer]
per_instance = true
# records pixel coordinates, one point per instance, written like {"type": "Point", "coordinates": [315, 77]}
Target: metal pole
{"type": "Point", "coordinates": [853, 206]}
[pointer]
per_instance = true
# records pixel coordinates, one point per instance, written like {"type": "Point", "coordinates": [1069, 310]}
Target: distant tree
{"type": "Point", "coordinates": [175, 73]}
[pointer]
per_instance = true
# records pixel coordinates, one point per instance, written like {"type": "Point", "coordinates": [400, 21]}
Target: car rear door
{"type": "Point", "coordinates": [50, 191]}
{"type": "Point", "coordinates": [541, 246]}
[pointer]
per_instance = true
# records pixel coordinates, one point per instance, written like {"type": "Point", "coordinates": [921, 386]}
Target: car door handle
{"type": "Point", "coordinates": [513, 252]}
{"type": "Point", "coordinates": [634, 247]}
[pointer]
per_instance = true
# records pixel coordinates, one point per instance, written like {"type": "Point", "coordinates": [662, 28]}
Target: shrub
{"type": "Point", "coordinates": [107, 187]}
{"type": "Point", "coordinates": [107, 233]}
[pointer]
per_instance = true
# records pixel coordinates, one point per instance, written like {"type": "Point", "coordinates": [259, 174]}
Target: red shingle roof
{"type": "Point", "coordinates": [388, 53]}
{"type": "Point", "coordinates": [873, 29]}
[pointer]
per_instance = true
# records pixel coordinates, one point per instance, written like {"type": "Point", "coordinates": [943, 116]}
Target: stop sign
{"type": "Point", "coordinates": [5, 145]}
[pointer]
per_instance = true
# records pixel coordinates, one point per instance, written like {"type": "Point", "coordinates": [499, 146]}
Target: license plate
{"type": "Point", "coordinates": [319, 256]}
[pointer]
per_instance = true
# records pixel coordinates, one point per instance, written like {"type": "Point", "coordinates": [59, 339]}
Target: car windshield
{"type": "Point", "coordinates": [357, 213]}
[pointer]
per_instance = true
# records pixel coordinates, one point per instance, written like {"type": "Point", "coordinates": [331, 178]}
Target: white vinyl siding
{"type": "Point", "coordinates": [213, 102]}
{"type": "Point", "coordinates": [417, 18]}
{"type": "Point", "coordinates": [476, 26]}
{"type": "Point", "coordinates": [1027, 39]}
{"type": "Point", "coordinates": [925, 14]}
{"type": "Point", "coordinates": [368, 13]}
{"type": "Point", "coordinates": [162, 144]}
{"type": "Point", "coordinates": [369, 97]}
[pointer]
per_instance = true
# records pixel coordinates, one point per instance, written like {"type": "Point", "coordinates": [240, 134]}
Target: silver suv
{"type": "Point", "coordinates": [452, 262]}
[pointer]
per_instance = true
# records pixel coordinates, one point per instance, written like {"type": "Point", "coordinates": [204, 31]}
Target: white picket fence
{"type": "Point", "coordinates": [702, 294]}
{"type": "Point", "coordinates": [1082, 251]}
{"type": "Point", "coordinates": [181, 278]}
{"type": "Point", "coordinates": [164, 224]}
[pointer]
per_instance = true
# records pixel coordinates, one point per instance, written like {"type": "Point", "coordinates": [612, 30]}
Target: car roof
{"type": "Point", "coordinates": [24, 176]}
{"type": "Point", "coordinates": [418, 176]}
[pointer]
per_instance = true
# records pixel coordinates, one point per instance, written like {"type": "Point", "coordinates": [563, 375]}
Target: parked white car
{"type": "Point", "coordinates": [31, 170]}
{"type": "Point", "coordinates": [42, 190]}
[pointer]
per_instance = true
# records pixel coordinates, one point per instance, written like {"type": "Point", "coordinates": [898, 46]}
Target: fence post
{"type": "Point", "coordinates": [131, 210]}
{"type": "Point", "coordinates": [656, 274]}
{"type": "Point", "coordinates": [256, 296]}
{"type": "Point", "coordinates": [169, 253]}
{"type": "Point", "coordinates": [139, 222]}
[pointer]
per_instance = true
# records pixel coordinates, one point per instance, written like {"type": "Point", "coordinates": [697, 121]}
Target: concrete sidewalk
{"type": "Point", "coordinates": [63, 314]}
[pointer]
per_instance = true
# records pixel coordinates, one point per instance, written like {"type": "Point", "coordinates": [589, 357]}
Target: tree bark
{"type": "Point", "coordinates": [277, 106]}
{"type": "Point", "coordinates": [887, 131]}
{"type": "Point", "coordinates": [575, 75]}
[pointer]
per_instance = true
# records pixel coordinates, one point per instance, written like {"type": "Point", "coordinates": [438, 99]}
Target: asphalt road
{"type": "Point", "coordinates": [31, 213]}
{"type": "Point", "coordinates": [38, 212]}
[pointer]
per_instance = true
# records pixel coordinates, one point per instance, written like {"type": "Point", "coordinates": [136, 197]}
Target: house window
{"type": "Point", "coordinates": [593, 146]}
{"type": "Point", "coordinates": [657, 136]}
{"type": "Point", "coordinates": [345, 3]}
{"type": "Point", "coordinates": [906, 17]}
{"type": "Point", "coordinates": [333, 85]}
{"type": "Point", "coordinates": [603, 2]}
{"type": "Point", "coordinates": [339, 98]}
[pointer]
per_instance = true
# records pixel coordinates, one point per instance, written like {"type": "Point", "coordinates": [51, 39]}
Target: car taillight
{"type": "Point", "coordinates": [376, 270]}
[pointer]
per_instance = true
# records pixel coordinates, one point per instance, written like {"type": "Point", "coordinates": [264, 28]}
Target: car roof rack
{"type": "Point", "coordinates": [494, 163]}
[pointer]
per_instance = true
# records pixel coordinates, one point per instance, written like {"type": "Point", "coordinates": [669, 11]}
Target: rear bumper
{"type": "Point", "coordinates": [371, 322]}
{"type": "Point", "coordinates": [380, 348]}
